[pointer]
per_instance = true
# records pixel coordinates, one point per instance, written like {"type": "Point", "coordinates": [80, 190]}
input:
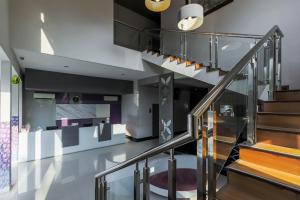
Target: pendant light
{"type": "Point", "coordinates": [157, 5]}
{"type": "Point", "coordinates": [190, 16]}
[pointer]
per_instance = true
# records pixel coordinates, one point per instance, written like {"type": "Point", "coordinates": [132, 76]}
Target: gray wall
{"type": "Point", "coordinates": [38, 113]}
{"type": "Point", "coordinates": [256, 17]}
{"type": "Point", "coordinates": [181, 110]}
{"type": "Point", "coordinates": [132, 18]}
{"type": "Point", "coordinates": [59, 82]}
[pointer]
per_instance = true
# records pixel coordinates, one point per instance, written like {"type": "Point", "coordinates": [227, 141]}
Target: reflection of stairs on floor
{"type": "Point", "coordinates": [270, 169]}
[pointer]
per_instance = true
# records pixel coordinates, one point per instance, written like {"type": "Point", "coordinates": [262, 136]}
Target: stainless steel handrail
{"type": "Point", "coordinates": [204, 104]}
{"type": "Point", "coordinates": [239, 35]}
{"type": "Point", "coordinates": [173, 143]}
{"type": "Point", "coordinates": [130, 26]}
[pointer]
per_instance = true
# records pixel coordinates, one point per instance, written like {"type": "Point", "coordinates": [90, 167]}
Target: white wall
{"type": "Point", "coordinates": [71, 28]}
{"type": "Point", "coordinates": [135, 111]}
{"type": "Point", "coordinates": [256, 17]}
{"type": "Point", "coordinates": [5, 35]}
{"type": "Point", "coordinates": [130, 114]}
{"type": "Point", "coordinates": [147, 96]}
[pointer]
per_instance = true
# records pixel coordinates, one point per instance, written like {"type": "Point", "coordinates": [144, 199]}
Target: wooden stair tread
{"type": "Point", "coordinates": [282, 101]}
{"type": "Point", "coordinates": [284, 137]}
{"type": "Point", "coordinates": [278, 113]}
{"type": "Point", "coordinates": [281, 106]}
{"type": "Point", "coordinates": [222, 157]}
{"type": "Point", "coordinates": [281, 129]}
{"type": "Point", "coordinates": [226, 139]}
{"type": "Point", "coordinates": [278, 149]}
{"type": "Point", "coordinates": [287, 91]}
{"type": "Point", "coordinates": [230, 192]}
{"type": "Point", "coordinates": [274, 176]}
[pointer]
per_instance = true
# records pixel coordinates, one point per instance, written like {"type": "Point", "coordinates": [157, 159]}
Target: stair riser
{"type": "Point", "coordinates": [227, 131]}
{"type": "Point", "coordinates": [259, 188]}
{"type": "Point", "coordinates": [272, 160]}
{"type": "Point", "coordinates": [284, 107]}
{"type": "Point", "coordinates": [286, 121]}
{"type": "Point", "coordinates": [224, 148]}
{"type": "Point", "coordinates": [287, 96]}
{"type": "Point", "coordinates": [285, 139]}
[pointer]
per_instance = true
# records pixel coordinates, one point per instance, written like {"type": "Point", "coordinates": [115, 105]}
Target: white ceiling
{"type": "Point", "coordinates": [52, 63]}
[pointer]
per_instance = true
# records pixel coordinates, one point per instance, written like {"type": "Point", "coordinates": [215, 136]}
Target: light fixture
{"type": "Point", "coordinates": [157, 5]}
{"type": "Point", "coordinates": [190, 16]}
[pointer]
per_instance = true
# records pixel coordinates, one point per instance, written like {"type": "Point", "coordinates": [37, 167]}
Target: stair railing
{"type": "Point", "coordinates": [244, 82]}
{"type": "Point", "coordinates": [205, 48]}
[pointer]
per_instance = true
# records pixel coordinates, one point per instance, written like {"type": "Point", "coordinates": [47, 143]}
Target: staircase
{"type": "Point", "coordinates": [257, 149]}
{"type": "Point", "coordinates": [187, 68]}
{"type": "Point", "coordinates": [269, 169]}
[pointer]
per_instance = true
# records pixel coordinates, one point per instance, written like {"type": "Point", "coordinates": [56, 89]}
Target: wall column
{"type": "Point", "coordinates": [5, 127]}
{"type": "Point", "coordinates": [166, 122]}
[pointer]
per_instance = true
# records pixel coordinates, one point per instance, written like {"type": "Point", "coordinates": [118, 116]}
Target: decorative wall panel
{"type": "Point", "coordinates": [166, 88]}
{"type": "Point", "coordinates": [14, 138]}
{"type": "Point", "coordinates": [5, 156]}
{"type": "Point", "coordinates": [82, 111]}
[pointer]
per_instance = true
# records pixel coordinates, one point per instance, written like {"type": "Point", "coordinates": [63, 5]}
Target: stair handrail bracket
{"type": "Point", "coordinates": [197, 130]}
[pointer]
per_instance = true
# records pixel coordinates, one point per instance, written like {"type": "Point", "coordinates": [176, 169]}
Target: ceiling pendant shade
{"type": "Point", "coordinates": [190, 17]}
{"type": "Point", "coordinates": [157, 5]}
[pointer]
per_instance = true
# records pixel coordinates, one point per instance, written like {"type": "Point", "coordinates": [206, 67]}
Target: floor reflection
{"type": "Point", "coordinates": [70, 177]}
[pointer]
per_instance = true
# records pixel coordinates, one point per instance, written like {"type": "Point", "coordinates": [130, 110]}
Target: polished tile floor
{"type": "Point", "coordinates": [71, 177]}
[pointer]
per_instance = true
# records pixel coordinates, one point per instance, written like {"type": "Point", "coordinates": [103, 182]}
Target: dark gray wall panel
{"type": "Point", "coordinates": [70, 136]}
{"type": "Point", "coordinates": [104, 132]}
{"type": "Point", "coordinates": [60, 82]}
{"type": "Point", "coordinates": [166, 90]}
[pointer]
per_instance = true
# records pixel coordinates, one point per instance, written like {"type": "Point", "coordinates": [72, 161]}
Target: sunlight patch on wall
{"type": "Point", "coordinates": [42, 18]}
{"type": "Point", "coordinates": [46, 47]}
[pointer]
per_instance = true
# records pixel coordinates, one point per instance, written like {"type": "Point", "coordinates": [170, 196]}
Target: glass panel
{"type": "Point", "coordinates": [126, 36]}
{"type": "Point", "coordinates": [262, 73]}
{"type": "Point", "coordinates": [198, 48]}
{"type": "Point", "coordinates": [121, 184]}
{"type": "Point", "coordinates": [150, 40]}
{"type": "Point", "coordinates": [213, 5]}
{"type": "Point", "coordinates": [230, 124]}
{"type": "Point", "coordinates": [172, 43]}
{"type": "Point", "coordinates": [231, 50]}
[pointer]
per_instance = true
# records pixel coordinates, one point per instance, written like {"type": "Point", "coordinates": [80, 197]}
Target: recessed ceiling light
{"type": "Point", "coordinates": [22, 58]}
